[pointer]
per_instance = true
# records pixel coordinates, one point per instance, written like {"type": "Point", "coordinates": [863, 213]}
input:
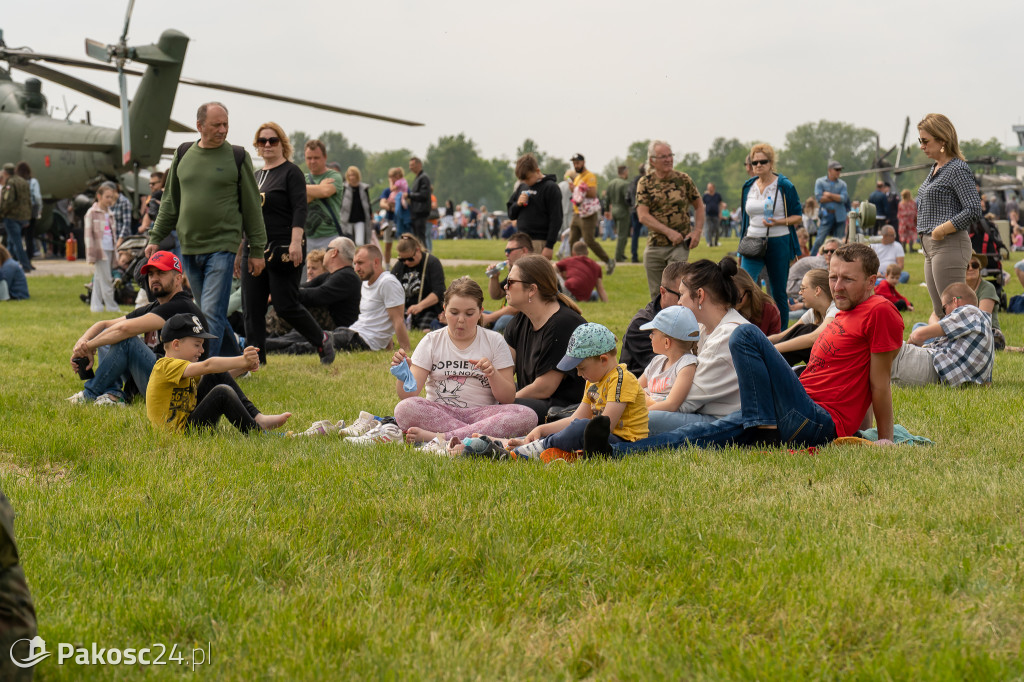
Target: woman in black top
{"type": "Point", "coordinates": [538, 336]}
{"type": "Point", "coordinates": [283, 193]}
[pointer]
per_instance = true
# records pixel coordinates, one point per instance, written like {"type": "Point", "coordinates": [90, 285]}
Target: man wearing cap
{"type": "Point", "coordinates": [213, 201]}
{"type": "Point", "coordinates": [586, 208]}
{"type": "Point", "coordinates": [122, 353]}
{"type": "Point", "coordinates": [16, 212]}
{"type": "Point", "coordinates": [833, 198]}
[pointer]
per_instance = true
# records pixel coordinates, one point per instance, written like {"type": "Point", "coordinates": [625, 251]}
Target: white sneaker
{"type": "Point", "coordinates": [439, 446]}
{"type": "Point", "coordinates": [78, 398]}
{"type": "Point", "coordinates": [384, 433]}
{"type": "Point", "coordinates": [363, 424]}
{"type": "Point", "coordinates": [322, 428]}
{"type": "Point", "coordinates": [109, 400]}
{"type": "Point", "coordinates": [531, 450]}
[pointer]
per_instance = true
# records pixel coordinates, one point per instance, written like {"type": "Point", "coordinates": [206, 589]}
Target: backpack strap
{"type": "Point", "coordinates": [237, 152]}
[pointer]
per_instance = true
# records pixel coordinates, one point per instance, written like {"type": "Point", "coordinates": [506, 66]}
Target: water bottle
{"type": "Point", "coordinates": [769, 209]}
{"type": "Point", "coordinates": [491, 272]}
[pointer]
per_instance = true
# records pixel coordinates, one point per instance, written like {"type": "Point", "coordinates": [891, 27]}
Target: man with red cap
{"type": "Point", "coordinates": [123, 355]}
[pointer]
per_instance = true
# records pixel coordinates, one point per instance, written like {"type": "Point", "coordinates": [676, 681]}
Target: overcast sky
{"type": "Point", "coordinates": [575, 76]}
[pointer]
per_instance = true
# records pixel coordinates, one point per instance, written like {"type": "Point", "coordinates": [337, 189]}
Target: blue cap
{"type": "Point", "coordinates": [588, 340]}
{"type": "Point", "coordinates": [675, 321]}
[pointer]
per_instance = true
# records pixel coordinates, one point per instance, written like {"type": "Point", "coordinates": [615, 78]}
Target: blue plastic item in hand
{"type": "Point", "coordinates": [403, 373]}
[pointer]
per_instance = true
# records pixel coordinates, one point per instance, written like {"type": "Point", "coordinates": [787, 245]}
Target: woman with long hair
{"type": "Point", "coordinates": [539, 335]}
{"type": "Point", "coordinates": [754, 304]}
{"type": "Point", "coordinates": [467, 372]}
{"type": "Point", "coordinates": [99, 249]}
{"type": "Point", "coordinates": [795, 342]}
{"type": "Point", "coordinates": [283, 188]}
{"type": "Point", "coordinates": [947, 206]}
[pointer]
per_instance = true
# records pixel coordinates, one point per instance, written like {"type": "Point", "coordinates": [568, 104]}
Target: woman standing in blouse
{"type": "Point", "coordinates": [947, 205]}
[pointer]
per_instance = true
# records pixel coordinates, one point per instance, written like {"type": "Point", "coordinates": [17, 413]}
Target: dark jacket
{"type": "Point", "coordinates": [541, 218]}
{"type": "Point", "coordinates": [636, 344]}
{"type": "Point", "coordinates": [339, 293]}
{"type": "Point", "coordinates": [419, 196]}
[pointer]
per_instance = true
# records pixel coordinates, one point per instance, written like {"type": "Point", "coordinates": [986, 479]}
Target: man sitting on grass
{"type": "Point", "coordinates": [582, 275]}
{"type": "Point", "coordinates": [848, 372]}
{"type": "Point", "coordinates": [956, 350]}
{"type": "Point", "coordinates": [176, 398]}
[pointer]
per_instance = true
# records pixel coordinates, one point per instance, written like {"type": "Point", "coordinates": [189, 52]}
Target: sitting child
{"type": "Point", "coordinates": [176, 398]}
{"type": "Point", "coordinates": [886, 288]}
{"type": "Point", "coordinates": [612, 391]}
{"type": "Point", "coordinates": [582, 275]}
{"type": "Point", "coordinates": [667, 380]}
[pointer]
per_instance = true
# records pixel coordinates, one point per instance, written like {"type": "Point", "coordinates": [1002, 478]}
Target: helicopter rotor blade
{"type": "Point", "coordinates": [294, 100]}
{"type": "Point", "coordinates": [903, 142]}
{"type": "Point", "coordinates": [126, 137]}
{"type": "Point", "coordinates": [127, 20]}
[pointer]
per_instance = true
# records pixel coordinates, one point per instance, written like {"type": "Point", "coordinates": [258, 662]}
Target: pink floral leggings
{"type": "Point", "coordinates": [499, 421]}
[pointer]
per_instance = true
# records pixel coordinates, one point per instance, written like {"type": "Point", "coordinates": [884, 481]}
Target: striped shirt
{"type": "Point", "coordinates": [966, 353]}
{"type": "Point", "coordinates": [949, 193]}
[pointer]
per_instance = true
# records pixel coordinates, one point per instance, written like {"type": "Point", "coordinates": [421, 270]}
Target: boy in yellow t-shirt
{"type": "Point", "coordinates": [612, 391]}
{"type": "Point", "coordinates": [183, 392]}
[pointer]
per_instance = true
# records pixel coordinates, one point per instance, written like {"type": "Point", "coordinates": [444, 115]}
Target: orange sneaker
{"type": "Point", "coordinates": [551, 454]}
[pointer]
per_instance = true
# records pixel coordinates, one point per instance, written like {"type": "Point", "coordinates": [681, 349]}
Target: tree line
{"type": "Point", "coordinates": [459, 172]}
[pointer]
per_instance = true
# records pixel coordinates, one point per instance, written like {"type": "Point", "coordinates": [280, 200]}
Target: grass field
{"type": "Point", "coordinates": [313, 559]}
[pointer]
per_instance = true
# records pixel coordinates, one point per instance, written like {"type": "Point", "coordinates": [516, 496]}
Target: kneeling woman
{"type": "Point", "coordinates": [467, 371]}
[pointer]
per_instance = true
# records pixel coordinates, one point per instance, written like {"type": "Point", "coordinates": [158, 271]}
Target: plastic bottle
{"type": "Point", "coordinates": [71, 248]}
{"type": "Point", "coordinates": [491, 272]}
{"type": "Point", "coordinates": [769, 209]}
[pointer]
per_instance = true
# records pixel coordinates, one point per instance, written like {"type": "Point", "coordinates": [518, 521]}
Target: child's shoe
{"type": "Point", "coordinates": [531, 450]}
{"type": "Point", "coordinates": [363, 424]}
{"type": "Point", "coordinates": [383, 433]}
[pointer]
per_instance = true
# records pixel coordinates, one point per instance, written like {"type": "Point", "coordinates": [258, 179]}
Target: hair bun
{"type": "Point", "coordinates": [728, 267]}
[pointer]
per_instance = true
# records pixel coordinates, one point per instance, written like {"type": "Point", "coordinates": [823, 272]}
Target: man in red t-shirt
{"type": "Point", "coordinates": [582, 275]}
{"type": "Point", "coordinates": [847, 373]}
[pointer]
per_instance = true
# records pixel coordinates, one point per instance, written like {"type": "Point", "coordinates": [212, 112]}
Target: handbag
{"type": "Point", "coordinates": [756, 247]}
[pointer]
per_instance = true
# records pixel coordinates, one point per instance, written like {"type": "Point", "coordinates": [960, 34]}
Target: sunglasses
{"type": "Point", "coordinates": [272, 141]}
{"type": "Point", "coordinates": [669, 291]}
{"type": "Point", "coordinates": [508, 251]}
{"type": "Point", "coordinates": [827, 251]}
{"type": "Point", "coordinates": [974, 266]}
{"type": "Point", "coordinates": [759, 162]}
{"type": "Point", "coordinates": [509, 282]}
{"type": "Point", "coordinates": [407, 259]}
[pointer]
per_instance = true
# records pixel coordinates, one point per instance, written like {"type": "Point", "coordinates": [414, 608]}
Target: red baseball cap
{"type": "Point", "coordinates": [162, 260]}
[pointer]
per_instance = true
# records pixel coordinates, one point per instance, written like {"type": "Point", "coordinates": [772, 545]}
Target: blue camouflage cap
{"type": "Point", "coordinates": [588, 340]}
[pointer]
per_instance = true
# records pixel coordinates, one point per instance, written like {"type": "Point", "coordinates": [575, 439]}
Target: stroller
{"type": "Point", "coordinates": [985, 241]}
{"type": "Point", "coordinates": [131, 256]}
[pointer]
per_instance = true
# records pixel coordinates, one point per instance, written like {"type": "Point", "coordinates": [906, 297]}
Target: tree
{"type": "Point", "coordinates": [375, 174]}
{"type": "Point", "coordinates": [548, 164]}
{"type": "Point", "coordinates": [810, 146]}
{"type": "Point", "coordinates": [458, 172]}
{"type": "Point", "coordinates": [299, 139]}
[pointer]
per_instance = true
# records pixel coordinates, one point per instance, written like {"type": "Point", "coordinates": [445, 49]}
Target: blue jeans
{"type": "Point", "coordinates": [209, 275]}
{"type": "Point", "coordinates": [776, 259]}
{"type": "Point", "coordinates": [502, 322]}
{"type": "Point", "coordinates": [15, 243]}
{"type": "Point", "coordinates": [660, 421]}
{"type": "Point", "coordinates": [828, 228]}
{"type": "Point", "coordinates": [770, 395]}
{"type": "Point", "coordinates": [130, 358]}
{"type": "Point", "coordinates": [571, 437]}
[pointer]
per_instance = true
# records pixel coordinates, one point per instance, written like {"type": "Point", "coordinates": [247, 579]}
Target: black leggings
{"type": "Point", "coordinates": [218, 395]}
{"type": "Point", "coordinates": [280, 281]}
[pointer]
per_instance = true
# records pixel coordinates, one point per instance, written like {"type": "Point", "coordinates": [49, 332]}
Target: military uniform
{"type": "Point", "coordinates": [17, 614]}
{"type": "Point", "coordinates": [669, 202]}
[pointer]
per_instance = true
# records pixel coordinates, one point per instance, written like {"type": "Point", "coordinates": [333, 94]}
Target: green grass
{"type": "Point", "coordinates": [310, 559]}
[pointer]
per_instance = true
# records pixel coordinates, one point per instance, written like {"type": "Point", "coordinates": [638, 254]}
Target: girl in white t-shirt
{"type": "Point", "coordinates": [468, 375]}
{"type": "Point", "coordinates": [795, 342]}
{"type": "Point", "coordinates": [669, 376]}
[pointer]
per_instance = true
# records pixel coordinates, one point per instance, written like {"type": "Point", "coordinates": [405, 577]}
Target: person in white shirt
{"type": "Point", "coordinates": [890, 251]}
{"type": "Point", "coordinates": [795, 342]}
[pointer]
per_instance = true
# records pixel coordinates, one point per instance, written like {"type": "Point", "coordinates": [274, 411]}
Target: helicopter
{"type": "Point", "coordinates": [67, 156]}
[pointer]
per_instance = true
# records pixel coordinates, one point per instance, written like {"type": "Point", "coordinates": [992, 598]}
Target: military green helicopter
{"type": "Point", "coordinates": [68, 156]}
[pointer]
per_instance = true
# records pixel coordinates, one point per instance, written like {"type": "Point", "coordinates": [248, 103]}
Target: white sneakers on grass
{"type": "Point", "coordinates": [383, 433]}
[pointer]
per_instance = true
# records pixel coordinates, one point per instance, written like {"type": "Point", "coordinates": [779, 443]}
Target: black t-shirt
{"type": "Point", "coordinates": [539, 351]}
{"type": "Point", "coordinates": [283, 191]}
{"type": "Point", "coordinates": [356, 213]}
{"type": "Point", "coordinates": [712, 203]}
{"type": "Point", "coordinates": [411, 277]}
{"type": "Point", "coordinates": [181, 302]}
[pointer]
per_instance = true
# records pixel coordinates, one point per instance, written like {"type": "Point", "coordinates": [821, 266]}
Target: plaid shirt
{"type": "Point", "coordinates": [948, 194]}
{"type": "Point", "coordinates": [122, 214]}
{"type": "Point", "coordinates": [966, 352]}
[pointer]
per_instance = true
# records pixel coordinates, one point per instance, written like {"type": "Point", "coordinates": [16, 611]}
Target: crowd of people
{"type": "Point", "coordinates": [712, 359]}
